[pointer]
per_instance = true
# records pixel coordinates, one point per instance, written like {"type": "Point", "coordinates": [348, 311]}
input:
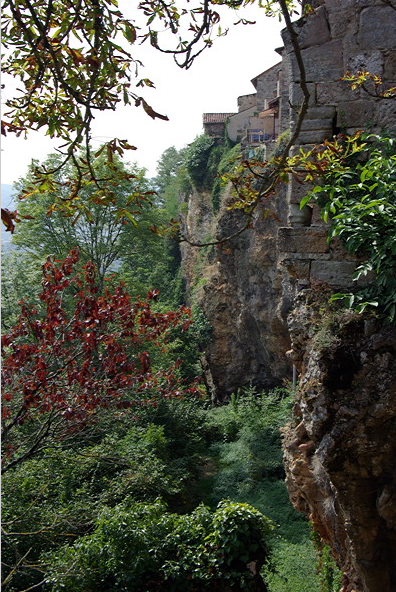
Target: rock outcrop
{"type": "Point", "coordinates": [340, 454]}
{"type": "Point", "coordinates": [238, 285]}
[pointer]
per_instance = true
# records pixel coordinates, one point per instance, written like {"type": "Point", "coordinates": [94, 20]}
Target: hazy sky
{"type": "Point", "coordinates": [212, 84]}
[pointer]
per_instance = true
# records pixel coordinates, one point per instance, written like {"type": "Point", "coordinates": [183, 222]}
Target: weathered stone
{"type": "Point", "coordinates": [324, 125]}
{"type": "Point", "coordinates": [385, 114]}
{"type": "Point", "coordinates": [309, 256]}
{"type": "Point", "coordinates": [296, 191]}
{"type": "Point", "coordinates": [372, 61]}
{"type": "Point", "coordinates": [297, 268]}
{"type": "Point", "coordinates": [355, 114]}
{"type": "Point", "coordinates": [296, 95]}
{"type": "Point", "coordinates": [330, 93]}
{"type": "Point", "coordinates": [377, 115]}
{"type": "Point", "coordinates": [343, 22]}
{"type": "Point", "coordinates": [316, 29]}
{"type": "Point", "coordinates": [322, 63]}
{"type": "Point", "coordinates": [334, 273]}
{"type": "Point", "coordinates": [390, 66]}
{"type": "Point", "coordinates": [321, 112]}
{"type": "Point", "coordinates": [334, 5]}
{"type": "Point", "coordinates": [315, 136]}
{"type": "Point", "coordinates": [377, 28]}
{"type": "Point", "coordinates": [302, 240]}
{"type": "Point", "coordinates": [346, 485]}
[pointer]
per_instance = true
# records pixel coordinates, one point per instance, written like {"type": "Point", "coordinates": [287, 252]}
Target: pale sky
{"type": "Point", "coordinates": [212, 84]}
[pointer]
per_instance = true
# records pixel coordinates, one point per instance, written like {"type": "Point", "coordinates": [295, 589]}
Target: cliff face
{"type": "Point", "coordinates": [340, 454]}
{"type": "Point", "coordinates": [238, 285]}
{"type": "Point", "coordinates": [340, 451]}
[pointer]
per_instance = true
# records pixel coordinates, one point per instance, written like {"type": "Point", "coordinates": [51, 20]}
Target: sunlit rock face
{"type": "Point", "coordinates": [239, 286]}
{"type": "Point", "coordinates": [340, 451]}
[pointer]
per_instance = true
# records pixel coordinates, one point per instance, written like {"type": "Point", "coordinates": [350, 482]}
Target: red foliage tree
{"type": "Point", "coordinates": [77, 353]}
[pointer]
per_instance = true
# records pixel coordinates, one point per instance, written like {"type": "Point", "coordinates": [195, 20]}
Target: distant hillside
{"type": "Point", "coordinates": [6, 202]}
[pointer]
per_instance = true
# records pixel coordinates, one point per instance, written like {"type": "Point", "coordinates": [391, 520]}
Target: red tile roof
{"type": "Point", "coordinates": [216, 117]}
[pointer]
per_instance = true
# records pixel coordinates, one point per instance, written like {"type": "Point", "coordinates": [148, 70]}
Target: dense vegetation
{"type": "Point", "coordinates": [113, 500]}
{"type": "Point", "coordinates": [165, 492]}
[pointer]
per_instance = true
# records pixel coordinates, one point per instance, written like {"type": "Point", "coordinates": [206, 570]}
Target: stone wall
{"type": "Point", "coordinates": [246, 101]}
{"type": "Point", "coordinates": [266, 85]}
{"type": "Point", "coordinates": [340, 36]}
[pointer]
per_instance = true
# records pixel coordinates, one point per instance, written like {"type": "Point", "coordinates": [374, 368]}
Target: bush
{"type": "Point", "coordinates": [226, 164]}
{"type": "Point", "coordinates": [196, 159]}
{"type": "Point", "coordinates": [143, 547]}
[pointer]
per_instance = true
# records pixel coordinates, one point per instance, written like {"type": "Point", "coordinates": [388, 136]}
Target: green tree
{"type": "Point", "coordinates": [167, 168]}
{"type": "Point", "coordinates": [103, 231]}
{"type": "Point", "coordinates": [20, 279]}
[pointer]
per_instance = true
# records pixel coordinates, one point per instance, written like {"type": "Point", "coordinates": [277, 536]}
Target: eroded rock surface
{"type": "Point", "coordinates": [239, 286]}
{"type": "Point", "coordinates": [340, 454]}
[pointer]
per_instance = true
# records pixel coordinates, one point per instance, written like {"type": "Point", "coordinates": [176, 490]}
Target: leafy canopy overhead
{"type": "Point", "coordinates": [73, 59]}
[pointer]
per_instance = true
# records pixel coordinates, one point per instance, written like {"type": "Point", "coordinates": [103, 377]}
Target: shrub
{"type": "Point", "coordinates": [143, 547]}
{"type": "Point", "coordinates": [226, 164]}
{"type": "Point", "coordinates": [196, 159]}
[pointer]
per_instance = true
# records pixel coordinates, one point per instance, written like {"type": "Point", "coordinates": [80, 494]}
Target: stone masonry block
{"type": "Point", "coordinates": [372, 61]}
{"type": "Point", "coordinates": [378, 114]}
{"type": "Point", "coordinates": [355, 114]}
{"type": "Point", "coordinates": [334, 5]}
{"type": "Point", "coordinates": [390, 66]}
{"type": "Point", "coordinates": [296, 95]}
{"type": "Point", "coordinates": [296, 191]}
{"type": "Point", "coordinates": [324, 125]}
{"type": "Point", "coordinates": [377, 28]}
{"type": "Point", "coordinates": [343, 23]}
{"type": "Point", "coordinates": [385, 114]}
{"type": "Point", "coordinates": [330, 93]}
{"type": "Point", "coordinates": [302, 240]}
{"type": "Point", "coordinates": [299, 269]}
{"type": "Point", "coordinates": [341, 5]}
{"type": "Point", "coordinates": [314, 136]}
{"type": "Point", "coordinates": [316, 29]}
{"type": "Point", "coordinates": [335, 273]}
{"type": "Point", "coordinates": [308, 256]}
{"type": "Point", "coordinates": [322, 112]}
{"type": "Point", "coordinates": [322, 63]}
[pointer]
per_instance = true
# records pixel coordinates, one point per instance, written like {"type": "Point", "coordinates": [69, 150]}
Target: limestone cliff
{"type": "Point", "coordinates": [340, 452]}
{"type": "Point", "coordinates": [238, 285]}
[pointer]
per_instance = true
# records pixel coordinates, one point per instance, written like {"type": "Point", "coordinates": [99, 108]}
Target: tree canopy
{"type": "Point", "coordinates": [73, 63]}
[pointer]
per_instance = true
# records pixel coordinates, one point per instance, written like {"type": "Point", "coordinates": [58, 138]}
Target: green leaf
{"type": "Point", "coordinates": [130, 218]}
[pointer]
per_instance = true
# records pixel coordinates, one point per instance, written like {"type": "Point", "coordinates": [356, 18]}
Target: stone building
{"type": "Point", "coordinates": [257, 120]}
{"type": "Point", "coordinates": [214, 124]}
